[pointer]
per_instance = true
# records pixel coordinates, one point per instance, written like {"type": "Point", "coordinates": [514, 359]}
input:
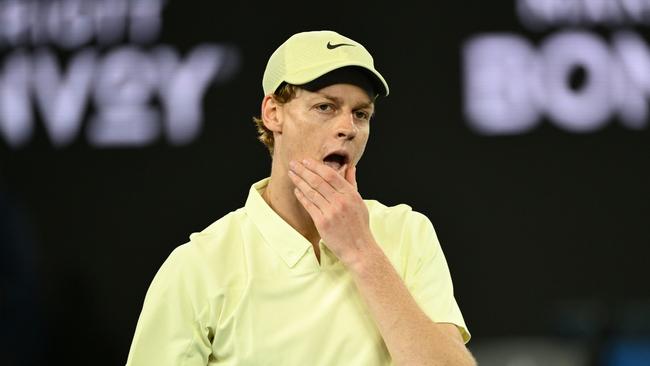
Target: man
{"type": "Point", "coordinates": [307, 272]}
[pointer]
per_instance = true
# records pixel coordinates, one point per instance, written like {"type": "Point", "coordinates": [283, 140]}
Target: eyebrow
{"type": "Point", "coordinates": [338, 100]}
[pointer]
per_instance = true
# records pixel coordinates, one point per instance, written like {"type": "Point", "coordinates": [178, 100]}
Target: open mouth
{"type": "Point", "coordinates": [337, 161]}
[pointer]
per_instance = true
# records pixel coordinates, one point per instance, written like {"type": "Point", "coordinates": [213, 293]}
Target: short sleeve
{"type": "Point", "coordinates": [428, 277]}
{"type": "Point", "coordinates": [172, 329]}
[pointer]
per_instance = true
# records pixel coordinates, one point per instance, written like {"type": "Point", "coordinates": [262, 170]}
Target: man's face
{"type": "Point", "coordinates": [330, 125]}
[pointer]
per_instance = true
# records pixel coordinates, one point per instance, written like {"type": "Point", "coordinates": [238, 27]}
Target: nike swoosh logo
{"type": "Point", "coordinates": [333, 46]}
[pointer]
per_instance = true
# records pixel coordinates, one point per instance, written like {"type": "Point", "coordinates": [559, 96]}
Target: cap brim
{"type": "Point", "coordinates": [305, 76]}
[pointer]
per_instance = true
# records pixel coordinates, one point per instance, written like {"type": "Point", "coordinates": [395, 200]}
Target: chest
{"type": "Point", "coordinates": [315, 319]}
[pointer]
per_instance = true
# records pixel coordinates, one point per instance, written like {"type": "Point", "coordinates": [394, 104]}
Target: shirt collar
{"type": "Point", "coordinates": [283, 238]}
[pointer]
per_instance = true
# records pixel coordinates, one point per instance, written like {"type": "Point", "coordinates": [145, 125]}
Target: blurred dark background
{"type": "Point", "coordinates": [545, 231]}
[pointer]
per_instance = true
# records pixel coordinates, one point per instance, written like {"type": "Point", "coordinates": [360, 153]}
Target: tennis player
{"type": "Point", "coordinates": [308, 272]}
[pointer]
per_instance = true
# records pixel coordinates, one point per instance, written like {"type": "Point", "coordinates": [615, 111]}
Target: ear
{"type": "Point", "coordinates": [270, 114]}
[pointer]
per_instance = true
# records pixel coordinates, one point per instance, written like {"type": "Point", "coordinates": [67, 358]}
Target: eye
{"type": "Point", "coordinates": [324, 107]}
{"type": "Point", "coordinates": [362, 115]}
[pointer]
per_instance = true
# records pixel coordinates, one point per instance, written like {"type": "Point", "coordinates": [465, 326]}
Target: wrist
{"type": "Point", "coordinates": [368, 253]}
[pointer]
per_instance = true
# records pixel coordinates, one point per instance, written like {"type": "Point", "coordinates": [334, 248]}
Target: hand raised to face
{"type": "Point", "coordinates": [335, 206]}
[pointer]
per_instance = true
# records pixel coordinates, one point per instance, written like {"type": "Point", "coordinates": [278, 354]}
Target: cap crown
{"type": "Point", "coordinates": [308, 55]}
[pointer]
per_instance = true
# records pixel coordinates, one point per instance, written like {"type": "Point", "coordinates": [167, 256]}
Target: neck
{"type": "Point", "coordinates": [280, 197]}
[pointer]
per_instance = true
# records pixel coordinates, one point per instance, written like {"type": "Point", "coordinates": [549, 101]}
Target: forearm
{"type": "Point", "coordinates": [342, 219]}
{"type": "Point", "coordinates": [411, 337]}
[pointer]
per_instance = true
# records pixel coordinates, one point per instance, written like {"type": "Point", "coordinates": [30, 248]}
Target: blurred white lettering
{"type": "Point", "coordinates": [16, 120]}
{"type": "Point", "coordinates": [124, 86]}
{"type": "Point", "coordinates": [631, 83]}
{"type": "Point", "coordinates": [126, 82]}
{"type": "Point", "coordinates": [62, 98]}
{"type": "Point", "coordinates": [182, 90]}
{"type": "Point", "coordinates": [540, 14]}
{"type": "Point", "coordinates": [577, 109]}
{"type": "Point", "coordinates": [499, 96]}
{"type": "Point", "coordinates": [74, 23]}
{"type": "Point", "coordinates": [510, 85]}
{"type": "Point", "coordinates": [121, 96]}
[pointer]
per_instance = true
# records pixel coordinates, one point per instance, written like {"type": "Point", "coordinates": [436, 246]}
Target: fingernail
{"type": "Point", "coordinates": [305, 162]}
{"type": "Point", "coordinates": [292, 164]}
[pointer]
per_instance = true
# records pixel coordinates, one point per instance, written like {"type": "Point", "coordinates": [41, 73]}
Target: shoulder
{"type": "Point", "coordinates": [211, 253]}
{"type": "Point", "coordinates": [222, 240]}
{"type": "Point", "coordinates": [399, 216]}
{"type": "Point", "coordinates": [218, 236]}
{"type": "Point", "coordinates": [400, 230]}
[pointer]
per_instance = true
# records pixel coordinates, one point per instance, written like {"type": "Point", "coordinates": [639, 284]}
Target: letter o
{"type": "Point", "coordinates": [588, 108]}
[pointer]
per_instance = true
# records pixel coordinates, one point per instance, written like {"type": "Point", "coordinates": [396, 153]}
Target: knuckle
{"type": "Point", "coordinates": [326, 221]}
{"type": "Point", "coordinates": [314, 182]}
{"type": "Point", "coordinates": [313, 195]}
{"type": "Point", "coordinates": [322, 223]}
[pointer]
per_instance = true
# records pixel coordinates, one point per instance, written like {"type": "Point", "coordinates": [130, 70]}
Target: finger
{"type": "Point", "coordinates": [351, 176]}
{"type": "Point", "coordinates": [314, 180]}
{"type": "Point", "coordinates": [326, 173]}
{"type": "Point", "coordinates": [312, 210]}
{"type": "Point", "coordinates": [308, 191]}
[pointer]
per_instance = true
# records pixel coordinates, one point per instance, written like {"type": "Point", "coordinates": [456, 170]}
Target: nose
{"type": "Point", "coordinates": [345, 127]}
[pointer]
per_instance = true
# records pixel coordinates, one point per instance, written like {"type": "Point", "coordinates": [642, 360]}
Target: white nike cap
{"type": "Point", "coordinates": [307, 56]}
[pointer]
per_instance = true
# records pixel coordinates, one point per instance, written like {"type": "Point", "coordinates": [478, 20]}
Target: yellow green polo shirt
{"type": "Point", "coordinates": [248, 290]}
